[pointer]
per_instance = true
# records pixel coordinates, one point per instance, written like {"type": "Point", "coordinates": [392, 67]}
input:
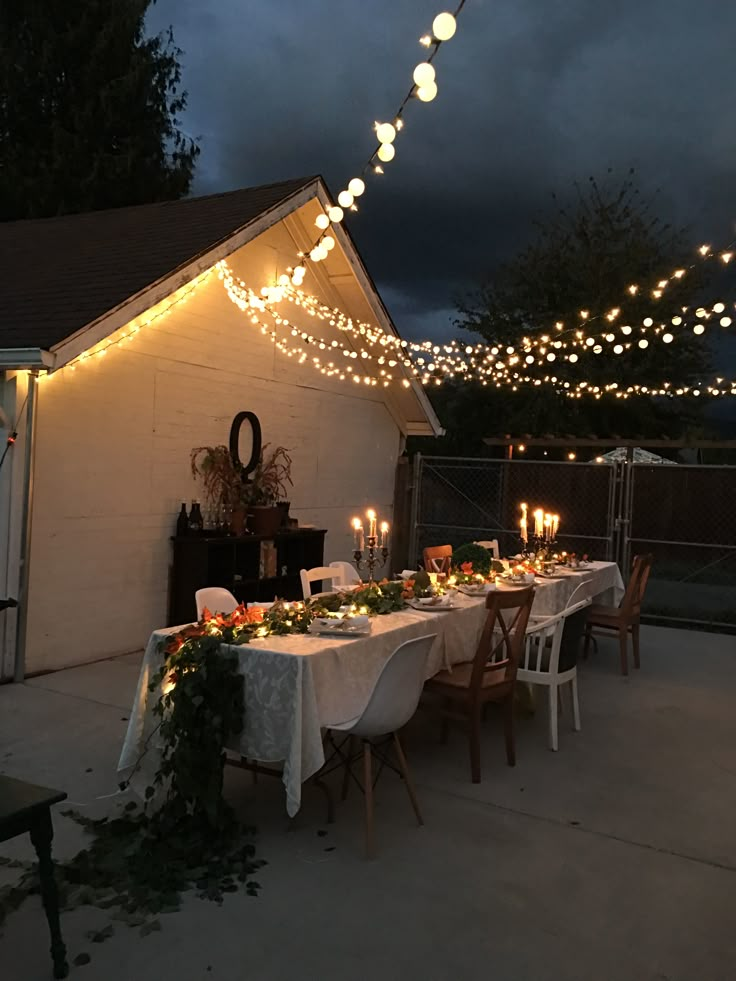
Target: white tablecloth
{"type": "Point", "coordinates": [297, 685]}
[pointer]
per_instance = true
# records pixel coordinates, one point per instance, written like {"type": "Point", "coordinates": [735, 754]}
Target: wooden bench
{"type": "Point", "coordinates": [26, 808]}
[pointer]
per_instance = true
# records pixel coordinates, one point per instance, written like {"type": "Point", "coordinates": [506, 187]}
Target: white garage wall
{"type": "Point", "coordinates": [112, 460]}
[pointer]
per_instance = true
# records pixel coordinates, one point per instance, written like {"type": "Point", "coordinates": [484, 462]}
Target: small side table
{"type": "Point", "coordinates": [26, 808]}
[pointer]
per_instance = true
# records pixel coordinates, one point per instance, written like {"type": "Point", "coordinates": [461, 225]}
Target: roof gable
{"type": "Point", "coordinates": [60, 274]}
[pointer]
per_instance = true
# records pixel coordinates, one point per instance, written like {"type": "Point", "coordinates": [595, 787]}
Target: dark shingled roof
{"type": "Point", "coordinates": [59, 274]}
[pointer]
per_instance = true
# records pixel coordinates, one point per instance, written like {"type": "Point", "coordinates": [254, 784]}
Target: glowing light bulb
{"type": "Point", "coordinates": [698, 329]}
{"type": "Point", "coordinates": [335, 214]}
{"type": "Point", "coordinates": [444, 26]}
{"type": "Point", "coordinates": [356, 187]}
{"type": "Point", "coordinates": [424, 73]}
{"type": "Point", "coordinates": [328, 243]}
{"type": "Point", "coordinates": [667, 338]}
{"type": "Point", "coordinates": [643, 343]}
{"type": "Point", "coordinates": [573, 358]}
{"type": "Point", "coordinates": [725, 321]}
{"type": "Point", "coordinates": [427, 92]}
{"type": "Point", "coordinates": [647, 321]}
{"type": "Point", "coordinates": [618, 349]}
{"type": "Point", "coordinates": [626, 329]}
{"type": "Point", "coordinates": [322, 221]}
{"type": "Point", "coordinates": [719, 307]}
{"type": "Point", "coordinates": [386, 152]}
{"type": "Point", "coordinates": [345, 199]}
{"type": "Point", "coordinates": [386, 133]}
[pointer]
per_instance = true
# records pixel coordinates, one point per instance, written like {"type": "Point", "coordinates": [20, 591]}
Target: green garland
{"type": "Point", "coordinates": [186, 836]}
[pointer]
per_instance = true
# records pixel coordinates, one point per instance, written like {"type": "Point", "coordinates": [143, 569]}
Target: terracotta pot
{"type": "Point", "coordinates": [265, 520]}
{"type": "Point", "coordinates": [237, 522]}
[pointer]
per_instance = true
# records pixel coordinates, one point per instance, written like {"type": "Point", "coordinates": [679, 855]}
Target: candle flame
{"type": "Point", "coordinates": [370, 514]}
{"type": "Point", "coordinates": [357, 523]}
{"type": "Point", "coordinates": [384, 526]}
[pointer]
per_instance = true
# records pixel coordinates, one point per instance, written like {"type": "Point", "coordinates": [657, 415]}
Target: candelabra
{"type": "Point", "coordinates": [375, 555]}
{"type": "Point", "coordinates": [535, 544]}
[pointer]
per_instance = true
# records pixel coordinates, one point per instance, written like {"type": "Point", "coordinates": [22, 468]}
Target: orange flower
{"type": "Point", "coordinates": [467, 568]}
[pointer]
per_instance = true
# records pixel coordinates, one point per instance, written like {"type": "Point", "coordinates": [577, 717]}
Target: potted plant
{"type": "Point", "coordinates": [267, 491]}
{"type": "Point", "coordinates": [224, 488]}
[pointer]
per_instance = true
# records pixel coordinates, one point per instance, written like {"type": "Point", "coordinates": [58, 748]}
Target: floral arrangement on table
{"type": "Point", "coordinates": [473, 563]}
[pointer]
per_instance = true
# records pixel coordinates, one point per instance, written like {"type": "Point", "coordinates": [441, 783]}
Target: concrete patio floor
{"type": "Point", "coordinates": [611, 860]}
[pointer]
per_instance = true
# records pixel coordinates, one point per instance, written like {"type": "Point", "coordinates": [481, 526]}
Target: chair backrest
{"type": "Point", "coordinates": [438, 558]}
{"type": "Point", "coordinates": [640, 569]}
{"type": "Point", "coordinates": [396, 694]}
{"type": "Point", "coordinates": [502, 639]}
{"type": "Point", "coordinates": [492, 547]}
{"type": "Point", "coordinates": [564, 634]}
{"type": "Point", "coordinates": [216, 599]}
{"type": "Point", "coordinates": [348, 573]}
{"type": "Point", "coordinates": [318, 574]}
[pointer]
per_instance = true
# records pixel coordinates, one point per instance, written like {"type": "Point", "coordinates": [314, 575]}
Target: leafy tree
{"type": "Point", "coordinates": [585, 257]}
{"type": "Point", "coordinates": [88, 109]}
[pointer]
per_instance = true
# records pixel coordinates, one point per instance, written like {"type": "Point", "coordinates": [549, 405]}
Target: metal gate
{"type": "Point", "coordinates": [685, 515]}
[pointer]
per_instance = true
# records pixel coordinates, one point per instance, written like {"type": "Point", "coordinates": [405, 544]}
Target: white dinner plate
{"type": "Point", "coordinates": [428, 608]}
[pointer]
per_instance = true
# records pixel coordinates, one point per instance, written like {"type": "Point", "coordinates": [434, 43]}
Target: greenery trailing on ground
{"type": "Point", "coordinates": [185, 836]}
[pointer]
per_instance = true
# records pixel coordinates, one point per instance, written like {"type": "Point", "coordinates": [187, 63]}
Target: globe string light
{"type": "Point", "coordinates": [424, 89]}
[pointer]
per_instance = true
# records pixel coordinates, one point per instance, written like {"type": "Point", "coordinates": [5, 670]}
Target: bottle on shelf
{"type": "Point", "coordinates": [196, 524]}
{"type": "Point", "coordinates": [182, 522]}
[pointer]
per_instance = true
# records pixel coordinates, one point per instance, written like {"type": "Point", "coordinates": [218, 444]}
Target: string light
{"type": "Point", "coordinates": [429, 363]}
{"type": "Point", "coordinates": [424, 88]}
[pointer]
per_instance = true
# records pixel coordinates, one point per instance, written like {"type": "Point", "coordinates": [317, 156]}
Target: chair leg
{"type": "Point", "coordinates": [475, 743]}
{"type": "Point", "coordinates": [623, 643]}
{"type": "Point", "coordinates": [575, 704]}
{"type": "Point", "coordinates": [508, 729]}
{"type": "Point", "coordinates": [635, 643]}
{"type": "Point", "coordinates": [346, 773]}
{"type": "Point", "coordinates": [368, 793]}
{"type": "Point", "coordinates": [407, 778]}
{"type": "Point", "coordinates": [553, 696]}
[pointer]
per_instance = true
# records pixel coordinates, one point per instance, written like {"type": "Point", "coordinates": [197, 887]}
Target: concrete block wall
{"type": "Point", "coordinates": [112, 459]}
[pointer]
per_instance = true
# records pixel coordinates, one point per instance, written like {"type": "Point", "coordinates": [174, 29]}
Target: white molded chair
{"type": "Point", "coordinates": [552, 646]}
{"type": "Point", "coordinates": [348, 573]}
{"type": "Point", "coordinates": [319, 573]}
{"type": "Point", "coordinates": [492, 547]}
{"type": "Point", "coordinates": [216, 599]}
{"type": "Point", "coordinates": [393, 702]}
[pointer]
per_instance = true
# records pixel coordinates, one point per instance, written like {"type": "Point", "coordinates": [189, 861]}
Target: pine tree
{"type": "Point", "coordinates": [89, 109]}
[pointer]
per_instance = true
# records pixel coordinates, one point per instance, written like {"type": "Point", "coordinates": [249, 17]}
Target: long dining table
{"type": "Point", "coordinates": [297, 685]}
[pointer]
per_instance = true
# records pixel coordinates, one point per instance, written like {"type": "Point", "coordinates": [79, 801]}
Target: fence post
{"type": "Point", "coordinates": [415, 487]}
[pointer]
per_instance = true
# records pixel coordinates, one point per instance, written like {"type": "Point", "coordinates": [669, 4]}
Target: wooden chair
{"type": "Point", "coordinates": [624, 619]}
{"type": "Point", "coordinates": [490, 676]}
{"type": "Point", "coordinates": [438, 558]}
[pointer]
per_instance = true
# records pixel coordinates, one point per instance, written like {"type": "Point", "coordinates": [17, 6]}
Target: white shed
{"type": "Point", "coordinates": [90, 489]}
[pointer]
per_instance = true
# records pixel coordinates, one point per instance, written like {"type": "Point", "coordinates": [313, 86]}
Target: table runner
{"type": "Point", "coordinates": [296, 685]}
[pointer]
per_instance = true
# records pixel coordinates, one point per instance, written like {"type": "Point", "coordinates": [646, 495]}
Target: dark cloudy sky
{"type": "Point", "coordinates": [533, 94]}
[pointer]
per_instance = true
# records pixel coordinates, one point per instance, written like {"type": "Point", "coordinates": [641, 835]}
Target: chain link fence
{"type": "Point", "coordinates": [684, 515]}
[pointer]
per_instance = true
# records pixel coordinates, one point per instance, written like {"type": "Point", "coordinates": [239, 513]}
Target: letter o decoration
{"type": "Point", "coordinates": [255, 453]}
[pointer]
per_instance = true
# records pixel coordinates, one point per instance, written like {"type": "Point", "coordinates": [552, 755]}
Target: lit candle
{"type": "Point", "coordinates": [371, 515]}
{"type": "Point", "coordinates": [555, 526]}
{"type": "Point", "coordinates": [547, 526]}
{"type": "Point", "coordinates": [523, 525]}
{"type": "Point", "coordinates": [358, 534]}
{"type": "Point", "coordinates": [384, 534]}
{"type": "Point", "coordinates": [538, 522]}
